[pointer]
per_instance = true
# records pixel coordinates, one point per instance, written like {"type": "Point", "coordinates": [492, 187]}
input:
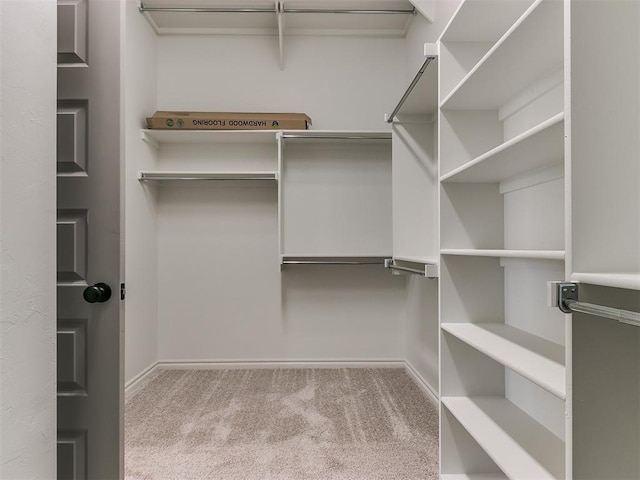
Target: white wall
{"type": "Point", "coordinates": [221, 293]}
{"type": "Point", "coordinates": [27, 244]}
{"type": "Point", "coordinates": [340, 82]}
{"type": "Point", "coordinates": [141, 306]}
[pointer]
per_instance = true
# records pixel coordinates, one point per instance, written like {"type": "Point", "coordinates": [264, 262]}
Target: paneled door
{"type": "Point", "coordinates": [90, 320]}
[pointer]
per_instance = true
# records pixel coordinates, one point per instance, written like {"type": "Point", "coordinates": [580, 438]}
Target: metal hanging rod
{"type": "Point", "coordinates": [217, 176]}
{"type": "Point", "coordinates": [389, 117]}
{"type": "Point", "coordinates": [336, 137]}
{"type": "Point", "coordinates": [144, 8]}
{"type": "Point", "coordinates": [351, 11]}
{"type": "Point", "coordinates": [330, 262]}
{"type": "Point", "coordinates": [567, 301]}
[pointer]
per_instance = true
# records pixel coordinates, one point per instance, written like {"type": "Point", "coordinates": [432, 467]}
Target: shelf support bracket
{"type": "Point", "coordinates": [430, 55]}
{"type": "Point", "coordinates": [280, 16]}
{"type": "Point", "coordinates": [566, 299]}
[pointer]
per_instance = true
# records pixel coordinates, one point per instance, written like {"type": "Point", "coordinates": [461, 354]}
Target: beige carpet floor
{"type": "Point", "coordinates": [281, 424]}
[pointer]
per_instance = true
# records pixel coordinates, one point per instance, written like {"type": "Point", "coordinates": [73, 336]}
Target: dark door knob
{"type": "Point", "coordinates": [98, 293]}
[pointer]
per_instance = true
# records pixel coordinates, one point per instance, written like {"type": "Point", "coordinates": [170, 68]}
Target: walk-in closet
{"type": "Point", "coordinates": [420, 274]}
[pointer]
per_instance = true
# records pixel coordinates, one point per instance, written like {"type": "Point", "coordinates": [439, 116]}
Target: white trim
{"type": "Point", "coordinates": [422, 383]}
{"type": "Point", "coordinates": [134, 385]}
{"type": "Point", "coordinates": [301, 363]}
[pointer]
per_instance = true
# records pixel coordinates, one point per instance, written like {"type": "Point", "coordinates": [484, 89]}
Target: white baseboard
{"type": "Point", "coordinates": [422, 383]}
{"type": "Point", "coordinates": [134, 385]}
{"type": "Point", "coordinates": [306, 363]}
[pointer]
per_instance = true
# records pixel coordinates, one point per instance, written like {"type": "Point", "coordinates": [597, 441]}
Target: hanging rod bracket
{"type": "Point", "coordinates": [566, 292]}
{"type": "Point", "coordinates": [565, 297]}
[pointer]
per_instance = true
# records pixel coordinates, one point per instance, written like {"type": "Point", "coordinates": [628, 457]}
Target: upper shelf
{"type": "Point", "coordinates": [317, 17]}
{"type": "Point", "coordinates": [530, 50]}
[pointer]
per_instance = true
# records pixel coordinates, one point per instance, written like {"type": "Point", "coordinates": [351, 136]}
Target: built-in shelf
{"type": "Point", "coordinates": [520, 58]}
{"type": "Point", "coordinates": [320, 17]}
{"type": "Point", "coordinates": [483, 21]}
{"type": "Point", "coordinates": [333, 259]}
{"type": "Point", "coordinates": [519, 445]}
{"type": "Point", "coordinates": [218, 176]}
{"type": "Point", "coordinates": [533, 149]}
{"type": "Point", "coordinates": [533, 254]}
{"type": "Point", "coordinates": [629, 281]}
{"type": "Point", "coordinates": [535, 358]}
{"type": "Point", "coordinates": [157, 137]}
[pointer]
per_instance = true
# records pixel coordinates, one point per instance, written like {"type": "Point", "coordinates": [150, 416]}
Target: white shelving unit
{"type": "Point", "coordinates": [502, 237]}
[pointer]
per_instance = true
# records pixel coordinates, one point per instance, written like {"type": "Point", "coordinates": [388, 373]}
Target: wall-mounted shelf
{"type": "Point", "coordinates": [519, 445]}
{"type": "Point", "coordinates": [532, 254]}
{"type": "Point", "coordinates": [159, 137]}
{"type": "Point", "coordinates": [280, 18]}
{"type": "Point", "coordinates": [516, 61]}
{"type": "Point", "coordinates": [200, 176]}
{"type": "Point", "coordinates": [532, 149]}
{"type": "Point", "coordinates": [535, 358]}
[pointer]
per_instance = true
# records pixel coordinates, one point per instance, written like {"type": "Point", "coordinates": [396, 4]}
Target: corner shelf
{"type": "Point", "coordinates": [630, 281]}
{"type": "Point", "coordinates": [531, 254]}
{"type": "Point", "coordinates": [160, 176]}
{"type": "Point", "coordinates": [532, 149]}
{"type": "Point", "coordinates": [517, 60]}
{"type": "Point", "coordinates": [519, 445]}
{"type": "Point", "coordinates": [535, 358]}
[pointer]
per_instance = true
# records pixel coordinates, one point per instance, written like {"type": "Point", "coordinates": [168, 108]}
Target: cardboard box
{"type": "Point", "coordinates": [228, 121]}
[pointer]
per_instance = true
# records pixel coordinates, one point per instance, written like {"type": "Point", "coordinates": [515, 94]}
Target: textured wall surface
{"type": "Point", "coordinates": [28, 236]}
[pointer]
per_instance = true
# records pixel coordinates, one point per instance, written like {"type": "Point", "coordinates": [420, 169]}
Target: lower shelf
{"type": "Point", "coordinates": [519, 445]}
